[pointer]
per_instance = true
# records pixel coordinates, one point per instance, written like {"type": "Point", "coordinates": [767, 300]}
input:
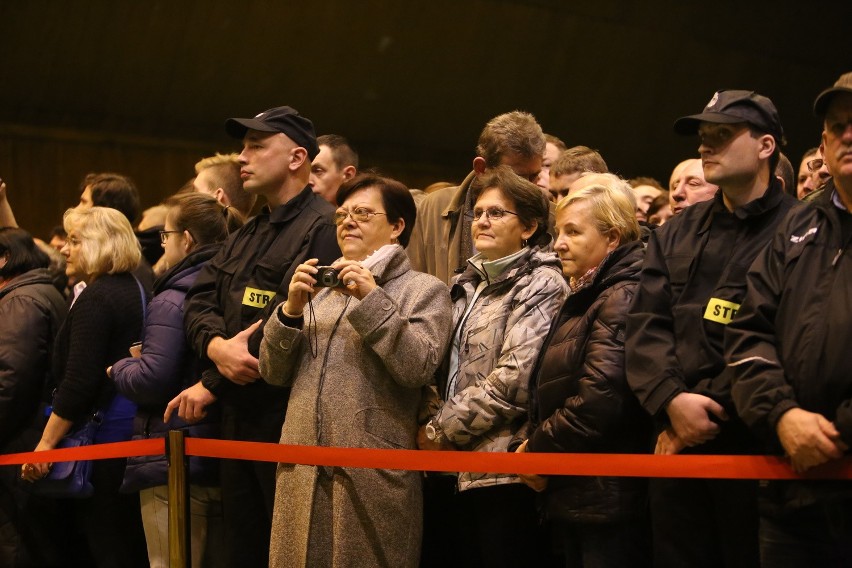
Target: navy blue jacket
{"type": "Point", "coordinates": [166, 367]}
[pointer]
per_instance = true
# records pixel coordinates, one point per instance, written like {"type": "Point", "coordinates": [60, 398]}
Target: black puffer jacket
{"type": "Point", "coordinates": [31, 310]}
{"type": "Point", "coordinates": [582, 402]}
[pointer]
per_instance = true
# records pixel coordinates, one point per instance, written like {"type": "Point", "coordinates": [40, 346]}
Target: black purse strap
{"type": "Point", "coordinates": [144, 301]}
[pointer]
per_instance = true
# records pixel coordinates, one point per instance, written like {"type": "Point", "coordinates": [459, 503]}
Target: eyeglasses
{"type": "Point", "coordinates": [164, 235]}
{"type": "Point", "coordinates": [815, 164]}
{"type": "Point", "coordinates": [492, 213]}
{"type": "Point", "coordinates": [359, 215]}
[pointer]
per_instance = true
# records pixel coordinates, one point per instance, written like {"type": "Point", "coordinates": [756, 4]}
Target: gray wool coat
{"type": "Point", "coordinates": [361, 390]}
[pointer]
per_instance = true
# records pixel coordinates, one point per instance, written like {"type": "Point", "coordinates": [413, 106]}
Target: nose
{"type": "Point", "coordinates": [679, 192]}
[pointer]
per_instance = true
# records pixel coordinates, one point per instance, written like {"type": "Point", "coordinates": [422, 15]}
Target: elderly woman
{"type": "Point", "coordinates": [31, 310]}
{"type": "Point", "coordinates": [503, 305]}
{"type": "Point", "coordinates": [582, 402]}
{"type": "Point", "coordinates": [104, 320]}
{"type": "Point", "coordinates": [195, 226]}
{"type": "Point", "coordinates": [357, 354]}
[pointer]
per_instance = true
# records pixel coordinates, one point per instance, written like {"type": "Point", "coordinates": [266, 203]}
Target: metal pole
{"type": "Point", "coordinates": [179, 538]}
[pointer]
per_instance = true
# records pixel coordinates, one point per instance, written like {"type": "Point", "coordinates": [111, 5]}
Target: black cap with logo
{"type": "Point", "coordinates": [283, 119]}
{"type": "Point", "coordinates": [729, 107]}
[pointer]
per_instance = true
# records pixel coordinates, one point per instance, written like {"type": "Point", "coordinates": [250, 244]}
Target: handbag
{"type": "Point", "coordinates": [71, 479]}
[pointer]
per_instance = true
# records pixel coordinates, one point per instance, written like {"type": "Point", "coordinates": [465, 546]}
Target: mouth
{"type": "Point", "coordinates": [244, 174]}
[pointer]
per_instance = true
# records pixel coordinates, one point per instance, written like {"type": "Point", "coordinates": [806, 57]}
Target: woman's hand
{"type": "Point", "coordinates": [35, 471]}
{"type": "Point", "coordinates": [54, 430]}
{"type": "Point", "coordinates": [668, 443]}
{"type": "Point", "coordinates": [424, 443]}
{"type": "Point", "coordinates": [357, 280]}
{"type": "Point", "coordinates": [535, 482]}
{"type": "Point", "coordinates": [301, 287]}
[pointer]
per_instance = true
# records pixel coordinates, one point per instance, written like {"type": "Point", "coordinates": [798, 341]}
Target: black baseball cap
{"type": "Point", "coordinates": [730, 107]}
{"type": "Point", "coordinates": [842, 85]}
{"type": "Point", "coordinates": [283, 119]}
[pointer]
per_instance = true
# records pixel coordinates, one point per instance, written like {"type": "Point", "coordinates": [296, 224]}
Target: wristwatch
{"type": "Point", "coordinates": [433, 432]}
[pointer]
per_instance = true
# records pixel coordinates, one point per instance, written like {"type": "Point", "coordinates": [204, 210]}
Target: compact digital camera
{"type": "Point", "coordinates": [327, 277]}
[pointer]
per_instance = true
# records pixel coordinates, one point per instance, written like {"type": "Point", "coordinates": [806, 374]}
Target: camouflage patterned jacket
{"type": "Point", "coordinates": [499, 344]}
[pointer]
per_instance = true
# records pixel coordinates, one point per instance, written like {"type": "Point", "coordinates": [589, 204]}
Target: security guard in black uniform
{"type": "Point", "coordinates": [239, 287]}
{"type": "Point", "coordinates": [691, 285]}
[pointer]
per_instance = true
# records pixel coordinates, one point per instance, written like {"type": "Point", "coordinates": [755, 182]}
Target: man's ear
{"type": "Point", "coordinates": [349, 172]}
{"type": "Point", "coordinates": [767, 146]}
{"type": "Point", "coordinates": [222, 197]}
{"type": "Point", "coordinates": [298, 157]}
{"type": "Point", "coordinates": [479, 165]}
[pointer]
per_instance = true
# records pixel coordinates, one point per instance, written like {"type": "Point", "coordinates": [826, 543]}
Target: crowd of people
{"type": "Point", "coordinates": [544, 305]}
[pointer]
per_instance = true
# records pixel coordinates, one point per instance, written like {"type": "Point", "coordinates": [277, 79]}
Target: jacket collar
{"type": "Point", "coordinates": [460, 196]}
{"type": "Point", "coordinates": [623, 262]}
{"type": "Point", "coordinates": [771, 198]}
{"type": "Point", "coordinates": [532, 258]}
{"type": "Point", "coordinates": [35, 276]}
{"type": "Point", "coordinates": [292, 208]}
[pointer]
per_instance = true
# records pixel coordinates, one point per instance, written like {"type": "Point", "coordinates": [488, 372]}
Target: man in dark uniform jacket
{"type": "Point", "coordinates": [238, 288]}
{"type": "Point", "coordinates": [691, 285]}
{"type": "Point", "coordinates": [788, 350]}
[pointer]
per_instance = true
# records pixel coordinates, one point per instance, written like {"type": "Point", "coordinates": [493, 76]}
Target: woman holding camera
{"type": "Point", "coordinates": [503, 306]}
{"type": "Point", "coordinates": [356, 355]}
{"type": "Point", "coordinates": [104, 320]}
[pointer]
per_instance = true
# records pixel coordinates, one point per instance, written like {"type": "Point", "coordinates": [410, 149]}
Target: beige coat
{"type": "Point", "coordinates": [435, 244]}
{"type": "Point", "coordinates": [361, 390]}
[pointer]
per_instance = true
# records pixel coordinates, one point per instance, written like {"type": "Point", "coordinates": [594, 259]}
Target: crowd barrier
{"type": "Point", "coordinates": [619, 465]}
{"type": "Point", "coordinates": [622, 465]}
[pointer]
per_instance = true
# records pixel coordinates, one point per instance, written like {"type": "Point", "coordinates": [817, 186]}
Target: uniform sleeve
{"type": "Point", "coordinates": [653, 371]}
{"type": "Point", "coordinates": [203, 317]}
{"type": "Point", "coordinates": [412, 344]}
{"type": "Point", "coordinates": [24, 348]}
{"type": "Point", "coordinates": [760, 389]}
{"type": "Point", "coordinates": [155, 377]}
{"type": "Point", "coordinates": [502, 395]}
{"type": "Point", "coordinates": [597, 408]}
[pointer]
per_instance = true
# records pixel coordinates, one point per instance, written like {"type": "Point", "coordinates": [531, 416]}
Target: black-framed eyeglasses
{"type": "Point", "coordinates": [359, 215]}
{"type": "Point", "coordinates": [815, 164]}
{"type": "Point", "coordinates": [164, 235]}
{"type": "Point", "coordinates": [492, 213]}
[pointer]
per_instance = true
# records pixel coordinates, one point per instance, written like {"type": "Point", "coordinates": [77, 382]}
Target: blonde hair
{"type": "Point", "coordinates": [611, 204]}
{"type": "Point", "coordinates": [107, 242]}
{"type": "Point", "coordinates": [217, 159]}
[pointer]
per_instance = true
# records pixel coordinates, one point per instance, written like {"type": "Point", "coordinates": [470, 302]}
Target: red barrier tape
{"type": "Point", "coordinates": [151, 447]}
{"type": "Point", "coordinates": [624, 465]}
